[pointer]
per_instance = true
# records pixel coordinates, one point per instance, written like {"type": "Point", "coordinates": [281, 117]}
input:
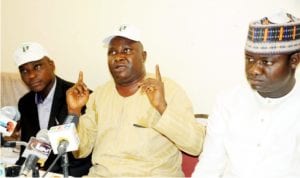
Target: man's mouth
{"type": "Point", "coordinates": [35, 84]}
{"type": "Point", "coordinates": [254, 80]}
{"type": "Point", "coordinates": [120, 67]}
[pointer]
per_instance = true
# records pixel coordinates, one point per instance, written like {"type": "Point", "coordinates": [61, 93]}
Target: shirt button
{"type": "Point", "coordinates": [258, 145]}
{"type": "Point", "coordinates": [262, 120]}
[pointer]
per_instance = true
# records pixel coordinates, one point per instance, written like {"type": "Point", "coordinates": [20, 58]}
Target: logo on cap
{"type": "Point", "coordinates": [122, 28]}
{"type": "Point", "coordinates": [25, 48]}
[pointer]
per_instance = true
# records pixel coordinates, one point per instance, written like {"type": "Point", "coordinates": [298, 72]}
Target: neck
{"type": "Point", "coordinates": [129, 89]}
{"type": "Point", "coordinates": [44, 93]}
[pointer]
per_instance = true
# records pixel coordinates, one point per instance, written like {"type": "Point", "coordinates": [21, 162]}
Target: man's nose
{"type": "Point", "coordinates": [32, 74]}
{"type": "Point", "coordinates": [119, 57]}
{"type": "Point", "coordinates": [256, 68]}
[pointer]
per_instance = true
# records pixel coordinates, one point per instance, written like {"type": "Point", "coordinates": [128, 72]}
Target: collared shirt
{"type": "Point", "coordinates": [44, 107]}
{"type": "Point", "coordinates": [130, 138]}
{"type": "Point", "coordinates": [249, 136]}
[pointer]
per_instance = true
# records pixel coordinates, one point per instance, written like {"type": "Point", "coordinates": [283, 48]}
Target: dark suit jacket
{"type": "Point", "coordinates": [29, 124]}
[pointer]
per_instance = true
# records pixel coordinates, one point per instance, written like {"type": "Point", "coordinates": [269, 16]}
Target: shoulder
{"type": "Point", "coordinates": [237, 95]}
{"type": "Point", "coordinates": [26, 101]}
{"type": "Point", "coordinates": [297, 88]}
{"type": "Point", "coordinates": [172, 88]}
{"type": "Point", "coordinates": [28, 97]}
{"type": "Point", "coordinates": [168, 82]}
{"type": "Point", "coordinates": [108, 86]}
{"type": "Point", "coordinates": [63, 83]}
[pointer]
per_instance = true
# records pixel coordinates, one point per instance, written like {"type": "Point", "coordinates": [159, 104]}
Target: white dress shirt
{"type": "Point", "coordinates": [44, 107]}
{"type": "Point", "coordinates": [249, 136]}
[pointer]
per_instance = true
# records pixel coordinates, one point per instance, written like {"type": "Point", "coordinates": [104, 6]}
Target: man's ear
{"type": "Point", "coordinates": [295, 59]}
{"type": "Point", "coordinates": [51, 63]}
{"type": "Point", "coordinates": [144, 56]}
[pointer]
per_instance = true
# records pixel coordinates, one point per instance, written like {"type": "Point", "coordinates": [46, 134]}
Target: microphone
{"type": "Point", "coordinates": [29, 165]}
{"type": "Point", "coordinates": [9, 115]}
{"type": "Point", "coordinates": [13, 144]}
{"type": "Point", "coordinates": [38, 149]}
{"type": "Point", "coordinates": [64, 138]}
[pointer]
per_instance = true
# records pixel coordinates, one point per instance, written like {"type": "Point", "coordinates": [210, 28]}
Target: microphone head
{"type": "Point", "coordinates": [12, 112]}
{"type": "Point", "coordinates": [62, 147]}
{"type": "Point", "coordinates": [39, 145]}
{"type": "Point", "coordinates": [64, 133]}
{"type": "Point", "coordinates": [43, 135]}
{"type": "Point", "coordinates": [8, 117]}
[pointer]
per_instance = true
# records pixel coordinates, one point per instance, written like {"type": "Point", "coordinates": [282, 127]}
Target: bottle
{"type": "Point", "coordinates": [2, 169]}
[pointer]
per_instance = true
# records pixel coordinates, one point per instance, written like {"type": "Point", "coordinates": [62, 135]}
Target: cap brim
{"type": "Point", "coordinates": [107, 40]}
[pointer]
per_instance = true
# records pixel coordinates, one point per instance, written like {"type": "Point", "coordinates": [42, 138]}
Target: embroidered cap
{"type": "Point", "coordinates": [276, 34]}
{"type": "Point", "coordinates": [127, 31]}
{"type": "Point", "coordinates": [28, 52]}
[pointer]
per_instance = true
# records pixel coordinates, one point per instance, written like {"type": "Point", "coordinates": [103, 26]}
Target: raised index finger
{"type": "Point", "coordinates": [158, 76]}
{"type": "Point", "coordinates": [80, 78]}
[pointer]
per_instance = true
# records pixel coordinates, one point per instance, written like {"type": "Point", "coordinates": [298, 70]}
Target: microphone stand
{"type": "Point", "coordinates": [65, 164]}
{"type": "Point", "coordinates": [51, 166]}
{"type": "Point", "coordinates": [30, 165]}
{"type": "Point", "coordinates": [1, 139]}
{"type": "Point", "coordinates": [35, 172]}
{"type": "Point", "coordinates": [62, 150]}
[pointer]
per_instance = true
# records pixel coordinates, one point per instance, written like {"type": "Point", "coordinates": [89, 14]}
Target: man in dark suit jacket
{"type": "Point", "coordinates": [44, 105]}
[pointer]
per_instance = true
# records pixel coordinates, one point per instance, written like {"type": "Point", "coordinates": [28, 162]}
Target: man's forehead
{"type": "Point", "coordinates": [267, 55]}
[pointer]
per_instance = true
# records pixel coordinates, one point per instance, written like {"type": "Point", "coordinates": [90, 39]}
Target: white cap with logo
{"type": "Point", "coordinates": [127, 31]}
{"type": "Point", "coordinates": [28, 52]}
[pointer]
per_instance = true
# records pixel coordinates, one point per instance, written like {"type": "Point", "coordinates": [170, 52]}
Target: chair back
{"type": "Point", "coordinates": [189, 162]}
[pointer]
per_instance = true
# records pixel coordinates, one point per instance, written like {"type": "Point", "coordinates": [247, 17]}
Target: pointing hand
{"type": "Point", "coordinates": [77, 96]}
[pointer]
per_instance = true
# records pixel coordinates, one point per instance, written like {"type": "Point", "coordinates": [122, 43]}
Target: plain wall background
{"type": "Point", "coordinates": [198, 43]}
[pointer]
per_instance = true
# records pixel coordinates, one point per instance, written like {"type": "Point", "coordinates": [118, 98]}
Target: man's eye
{"type": "Point", "coordinates": [268, 63]}
{"type": "Point", "coordinates": [250, 60]}
{"type": "Point", "coordinates": [112, 52]}
{"type": "Point", "coordinates": [38, 67]}
{"type": "Point", "coordinates": [127, 50]}
{"type": "Point", "coordinates": [23, 71]}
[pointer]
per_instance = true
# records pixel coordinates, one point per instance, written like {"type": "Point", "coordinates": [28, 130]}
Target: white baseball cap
{"type": "Point", "coordinates": [127, 31]}
{"type": "Point", "coordinates": [28, 52]}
